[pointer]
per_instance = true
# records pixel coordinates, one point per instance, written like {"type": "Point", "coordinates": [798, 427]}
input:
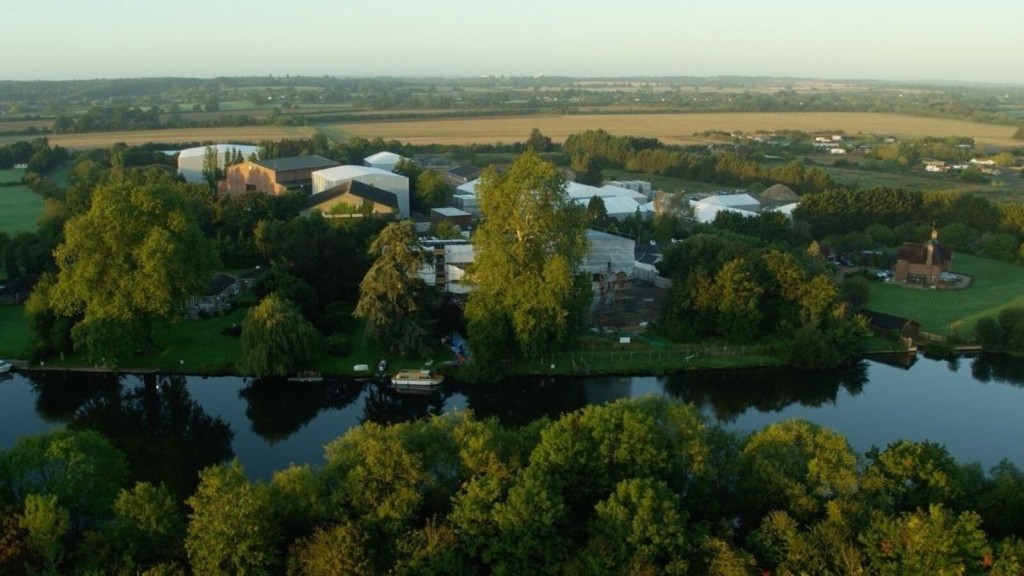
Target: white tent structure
{"type": "Point", "coordinates": [387, 181]}
{"type": "Point", "coordinates": [191, 160]}
{"type": "Point", "coordinates": [705, 213]}
{"type": "Point", "coordinates": [786, 209]}
{"type": "Point", "coordinates": [608, 254]}
{"type": "Point", "coordinates": [617, 207]}
{"type": "Point", "coordinates": [621, 191]}
{"type": "Point", "coordinates": [383, 160]}
{"type": "Point", "coordinates": [736, 201]}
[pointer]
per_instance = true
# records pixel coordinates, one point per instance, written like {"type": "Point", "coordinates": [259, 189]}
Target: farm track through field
{"type": "Point", "coordinates": [672, 128]}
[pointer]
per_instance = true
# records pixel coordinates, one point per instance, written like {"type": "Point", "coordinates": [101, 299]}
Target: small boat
{"type": "Point", "coordinates": [416, 378]}
{"type": "Point", "coordinates": [5, 366]}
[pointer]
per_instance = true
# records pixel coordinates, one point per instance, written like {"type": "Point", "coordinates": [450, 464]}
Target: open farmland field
{"type": "Point", "coordinates": [671, 128]}
{"type": "Point", "coordinates": [994, 286]}
{"type": "Point", "coordinates": [19, 125]}
{"type": "Point", "coordinates": [136, 137]}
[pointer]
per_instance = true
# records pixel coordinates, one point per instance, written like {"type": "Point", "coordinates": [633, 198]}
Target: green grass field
{"type": "Point", "coordinates": [19, 209]}
{"type": "Point", "coordinates": [994, 286]}
{"type": "Point", "coordinates": [11, 175]}
{"type": "Point", "coordinates": [16, 340]}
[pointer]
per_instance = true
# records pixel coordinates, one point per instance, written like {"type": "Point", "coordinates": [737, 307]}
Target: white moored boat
{"type": "Point", "coordinates": [419, 378]}
{"type": "Point", "coordinates": [5, 366]}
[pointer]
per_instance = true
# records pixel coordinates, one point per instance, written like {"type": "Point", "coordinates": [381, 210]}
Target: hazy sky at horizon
{"type": "Point", "coordinates": [975, 41]}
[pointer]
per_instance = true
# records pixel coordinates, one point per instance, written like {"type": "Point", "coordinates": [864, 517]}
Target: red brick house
{"type": "Point", "coordinates": [273, 175]}
{"type": "Point", "coordinates": [923, 263]}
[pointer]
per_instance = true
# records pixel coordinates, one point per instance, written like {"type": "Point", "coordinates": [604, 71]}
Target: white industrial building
{"type": "Point", "coordinates": [609, 258]}
{"type": "Point", "coordinates": [468, 203]}
{"type": "Point", "coordinates": [742, 201]}
{"type": "Point", "coordinates": [384, 160]}
{"type": "Point", "coordinates": [469, 188]}
{"type": "Point", "coordinates": [620, 202]}
{"type": "Point", "coordinates": [608, 254]}
{"type": "Point", "coordinates": [621, 191]}
{"type": "Point", "coordinates": [786, 209]}
{"type": "Point", "coordinates": [641, 186]}
{"type": "Point", "coordinates": [706, 213]}
{"type": "Point", "coordinates": [387, 181]}
{"type": "Point", "coordinates": [191, 160]}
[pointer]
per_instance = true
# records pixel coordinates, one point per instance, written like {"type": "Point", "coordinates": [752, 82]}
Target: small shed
{"type": "Point", "coordinates": [453, 215]}
{"type": "Point", "coordinates": [882, 324]}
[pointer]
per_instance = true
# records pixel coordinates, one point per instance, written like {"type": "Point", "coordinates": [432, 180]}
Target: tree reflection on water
{"type": "Point", "coordinates": [278, 408]}
{"type": "Point", "coordinates": [730, 393]}
{"type": "Point", "coordinates": [165, 434]}
{"type": "Point", "coordinates": [1000, 368]}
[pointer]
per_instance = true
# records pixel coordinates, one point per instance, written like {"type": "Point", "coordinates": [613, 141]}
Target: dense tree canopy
{"type": "Point", "coordinates": [528, 249]}
{"type": "Point", "coordinates": [132, 257]}
{"type": "Point", "coordinates": [392, 297]}
{"type": "Point", "coordinates": [643, 486]}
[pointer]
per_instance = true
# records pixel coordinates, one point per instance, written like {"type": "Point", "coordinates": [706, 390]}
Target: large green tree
{"type": "Point", "coordinates": [276, 339]}
{"type": "Point", "coordinates": [392, 297]}
{"type": "Point", "coordinates": [431, 189]}
{"type": "Point", "coordinates": [528, 251]}
{"type": "Point", "coordinates": [132, 257]}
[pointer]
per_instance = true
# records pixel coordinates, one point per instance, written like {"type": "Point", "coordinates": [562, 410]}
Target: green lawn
{"type": "Point", "coordinates": [15, 334]}
{"type": "Point", "coordinates": [994, 285]}
{"type": "Point", "coordinates": [19, 209]}
{"type": "Point", "coordinates": [11, 175]}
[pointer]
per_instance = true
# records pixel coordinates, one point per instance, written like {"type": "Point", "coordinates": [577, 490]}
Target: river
{"type": "Point", "coordinates": [176, 425]}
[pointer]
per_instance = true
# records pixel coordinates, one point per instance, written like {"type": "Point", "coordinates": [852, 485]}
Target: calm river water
{"type": "Point", "coordinates": [178, 424]}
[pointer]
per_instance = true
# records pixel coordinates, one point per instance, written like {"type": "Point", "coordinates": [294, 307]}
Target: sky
{"type": "Point", "coordinates": [902, 40]}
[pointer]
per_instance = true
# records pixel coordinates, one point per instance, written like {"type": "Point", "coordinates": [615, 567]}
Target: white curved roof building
{"type": "Point", "coordinates": [389, 181]}
{"type": "Point", "coordinates": [383, 160]}
{"type": "Point", "coordinates": [190, 160]}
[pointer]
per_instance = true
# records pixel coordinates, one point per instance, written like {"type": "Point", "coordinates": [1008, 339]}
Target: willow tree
{"type": "Point", "coordinates": [392, 297]}
{"type": "Point", "coordinates": [528, 297]}
{"type": "Point", "coordinates": [132, 257]}
{"type": "Point", "coordinates": [276, 339]}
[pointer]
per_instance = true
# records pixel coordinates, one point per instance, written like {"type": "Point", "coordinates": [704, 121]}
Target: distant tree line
{"type": "Point", "coordinates": [517, 95]}
{"type": "Point", "coordinates": [853, 220]}
{"type": "Point", "coordinates": [599, 150]}
{"type": "Point", "coordinates": [38, 156]}
{"type": "Point", "coordinates": [123, 118]}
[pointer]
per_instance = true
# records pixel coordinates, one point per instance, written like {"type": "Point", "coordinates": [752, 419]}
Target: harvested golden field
{"type": "Point", "coordinates": [670, 128]}
{"type": "Point", "coordinates": [136, 137]}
